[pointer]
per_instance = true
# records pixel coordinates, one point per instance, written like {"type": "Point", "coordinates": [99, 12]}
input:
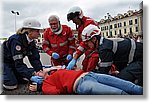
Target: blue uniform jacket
{"type": "Point", "coordinates": [15, 49]}
{"type": "Point", "coordinates": [121, 55]}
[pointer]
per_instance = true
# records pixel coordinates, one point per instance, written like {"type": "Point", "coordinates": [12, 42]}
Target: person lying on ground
{"type": "Point", "coordinates": [79, 82]}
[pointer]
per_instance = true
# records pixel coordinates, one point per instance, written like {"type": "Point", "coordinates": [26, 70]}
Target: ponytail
{"type": "Point", "coordinates": [23, 31]}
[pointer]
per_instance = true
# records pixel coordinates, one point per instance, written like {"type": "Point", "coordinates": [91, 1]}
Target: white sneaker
{"type": "Point", "coordinates": [10, 87]}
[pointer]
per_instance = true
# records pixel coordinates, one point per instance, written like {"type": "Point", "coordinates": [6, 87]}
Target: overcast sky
{"type": "Point", "coordinates": [42, 9]}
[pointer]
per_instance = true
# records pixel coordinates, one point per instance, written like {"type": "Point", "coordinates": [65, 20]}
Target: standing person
{"type": "Point", "coordinates": [15, 49]}
{"type": "Point", "coordinates": [126, 55]}
{"type": "Point", "coordinates": [76, 15]}
{"type": "Point", "coordinates": [85, 83]}
{"type": "Point", "coordinates": [59, 42]}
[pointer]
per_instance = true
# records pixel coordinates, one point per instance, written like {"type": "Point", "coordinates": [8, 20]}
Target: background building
{"type": "Point", "coordinates": [122, 25]}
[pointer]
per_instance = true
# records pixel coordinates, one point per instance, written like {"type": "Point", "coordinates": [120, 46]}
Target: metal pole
{"type": "Point", "coordinates": [15, 13]}
{"type": "Point", "coordinates": [15, 22]}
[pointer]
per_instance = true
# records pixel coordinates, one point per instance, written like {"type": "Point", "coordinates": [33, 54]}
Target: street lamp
{"type": "Point", "coordinates": [15, 13]}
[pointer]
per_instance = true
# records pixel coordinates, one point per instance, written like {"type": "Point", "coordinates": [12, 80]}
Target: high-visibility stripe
{"type": "Point", "coordinates": [105, 64]}
{"type": "Point", "coordinates": [53, 45]}
{"type": "Point", "coordinates": [17, 57]}
{"type": "Point", "coordinates": [101, 40]}
{"type": "Point", "coordinates": [80, 48]}
{"type": "Point", "coordinates": [46, 49]}
{"type": "Point", "coordinates": [72, 47]}
{"type": "Point", "coordinates": [132, 51]}
{"type": "Point", "coordinates": [115, 45]}
{"type": "Point", "coordinates": [64, 43]}
{"type": "Point", "coordinates": [71, 38]}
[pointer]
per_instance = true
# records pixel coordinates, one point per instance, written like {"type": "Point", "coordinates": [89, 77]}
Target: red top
{"type": "Point", "coordinates": [62, 44]}
{"type": "Point", "coordinates": [60, 82]}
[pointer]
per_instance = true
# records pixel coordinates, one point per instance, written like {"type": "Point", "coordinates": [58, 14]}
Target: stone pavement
{"type": "Point", "coordinates": [21, 90]}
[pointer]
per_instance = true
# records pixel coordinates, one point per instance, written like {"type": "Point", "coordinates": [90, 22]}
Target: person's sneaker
{"type": "Point", "coordinates": [10, 87]}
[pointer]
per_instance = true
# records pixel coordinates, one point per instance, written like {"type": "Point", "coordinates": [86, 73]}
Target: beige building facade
{"type": "Point", "coordinates": [127, 24]}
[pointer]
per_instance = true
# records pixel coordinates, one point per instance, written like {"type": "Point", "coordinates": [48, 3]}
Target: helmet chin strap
{"type": "Point", "coordinates": [94, 43]}
{"type": "Point", "coordinates": [80, 21]}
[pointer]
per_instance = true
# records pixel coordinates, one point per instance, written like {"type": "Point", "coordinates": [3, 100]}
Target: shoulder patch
{"type": "Point", "coordinates": [18, 48]}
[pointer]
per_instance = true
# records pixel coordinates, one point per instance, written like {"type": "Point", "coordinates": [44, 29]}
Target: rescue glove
{"type": "Point", "coordinates": [74, 55]}
{"type": "Point", "coordinates": [69, 57]}
{"type": "Point", "coordinates": [71, 64]}
{"type": "Point", "coordinates": [37, 79]}
{"type": "Point", "coordinates": [55, 55]}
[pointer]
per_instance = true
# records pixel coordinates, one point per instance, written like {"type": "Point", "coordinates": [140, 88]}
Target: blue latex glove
{"type": "Point", "coordinates": [71, 64]}
{"type": "Point", "coordinates": [69, 57]}
{"type": "Point", "coordinates": [74, 55]}
{"type": "Point", "coordinates": [55, 55]}
{"type": "Point", "coordinates": [37, 79]}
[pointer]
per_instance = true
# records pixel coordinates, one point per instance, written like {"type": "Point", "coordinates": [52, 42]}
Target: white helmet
{"type": "Point", "coordinates": [90, 31]}
{"type": "Point", "coordinates": [74, 12]}
{"type": "Point", "coordinates": [31, 23]}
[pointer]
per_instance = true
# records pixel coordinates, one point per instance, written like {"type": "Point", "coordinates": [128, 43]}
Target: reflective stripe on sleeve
{"type": "Point", "coordinates": [80, 48]}
{"type": "Point", "coordinates": [71, 38]}
{"type": "Point", "coordinates": [46, 49]}
{"type": "Point", "coordinates": [17, 57]}
{"type": "Point", "coordinates": [64, 43]}
{"type": "Point", "coordinates": [72, 47]}
{"type": "Point", "coordinates": [53, 45]}
{"type": "Point", "coordinates": [132, 51]}
{"type": "Point", "coordinates": [105, 64]}
{"type": "Point", "coordinates": [115, 45]}
{"type": "Point", "coordinates": [101, 40]}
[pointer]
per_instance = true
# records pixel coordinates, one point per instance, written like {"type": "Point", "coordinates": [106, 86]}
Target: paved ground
{"type": "Point", "coordinates": [21, 90]}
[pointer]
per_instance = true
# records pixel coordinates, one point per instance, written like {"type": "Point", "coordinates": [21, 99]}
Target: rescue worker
{"type": "Point", "coordinates": [76, 15]}
{"type": "Point", "coordinates": [15, 49]}
{"type": "Point", "coordinates": [59, 42]}
{"type": "Point", "coordinates": [63, 81]}
{"type": "Point", "coordinates": [126, 55]}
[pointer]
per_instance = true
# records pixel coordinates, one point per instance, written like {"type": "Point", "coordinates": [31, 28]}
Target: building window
{"type": "Point", "coordinates": [130, 30]}
{"type": "Point", "coordinates": [130, 22]}
{"type": "Point", "coordinates": [136, 29]}
{"type": "Point", "coordinates": [103, 34]}
{"type": "Point", "coordinates": [110, 33]}
{"type": "Point", "coordinates": [106, 33]}
{"type": "Point", "coordinates": [110, 26]}
{"type": "Point", "coordinates": [120, 24]}
{"type": "Point", "coordinates": [38, 40]}
{"type": "Point", "coordinates": [120, 31]}
{"type": "Point", "coordinates": [115, 32]}
{"type": "Point", "coordinates": [124, 23]}
{"type": "Point", "coordinates": [135, 21]}
{"type": "Point", "coordinates": [115, 25]}
{"type": "Point", "coordinates": [125, 31]}
{"type": "Point", "coordinates": [105, 28]}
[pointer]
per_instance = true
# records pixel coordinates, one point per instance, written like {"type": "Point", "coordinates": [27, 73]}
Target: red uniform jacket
{"type": "Point", "coordinates": [86, 21]}
{"type": "Point", "coordinates": [60, 82]}
{"type": "Point", "coordinates": [62, 44]}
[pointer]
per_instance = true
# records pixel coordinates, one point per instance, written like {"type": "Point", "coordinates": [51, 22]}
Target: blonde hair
{"type": "Point", "coordinates": [23, 30]}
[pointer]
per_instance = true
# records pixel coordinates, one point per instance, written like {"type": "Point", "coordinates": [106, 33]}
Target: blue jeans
{"type": "Point", "coordinates": [101, 84]}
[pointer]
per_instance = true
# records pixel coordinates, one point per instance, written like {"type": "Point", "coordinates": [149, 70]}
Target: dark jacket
{"type": "Point", "coordinates": [15, 49]}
